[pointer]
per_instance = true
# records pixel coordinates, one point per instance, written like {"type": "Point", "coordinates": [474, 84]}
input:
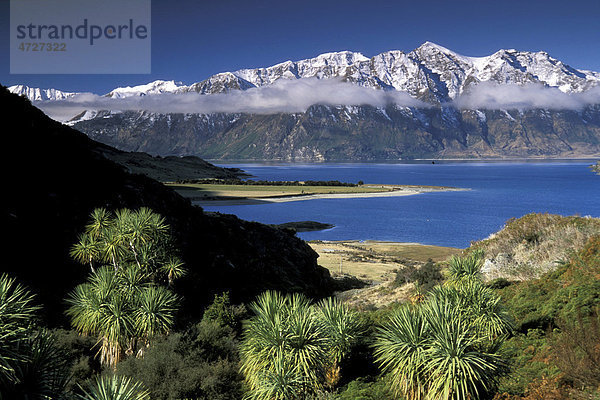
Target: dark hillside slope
{"type": "Point", "coordinates": [54, 176]}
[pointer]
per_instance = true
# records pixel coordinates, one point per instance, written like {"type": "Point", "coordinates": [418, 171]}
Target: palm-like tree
{"type": "Point", "coordinates": [126, 237]}
{"type": "Point", "coordinates": [100, 221]}
{"type": "Point", "coordinates": [30, 364]}
{"type": "Point", "coordinates": [399, 349]}
{"type": "Point", "coordinates": [17, 312]}
{"type": "Point", "coordinates": [173, 269]}
{"type": "Point", "coordinates": [283, 381]}
{"type": "Point", "coordinates": [116, 329]}
{"type": "Point", "coordinates": [113, 247]}
{"type": "Point", "coordinates": [283, 332]}
{"type": "Point", "coordinates": [480, 305]}
{"type": "Point", "coordinates": [121, 308]}
{"type": "Point", "coordinates": [432, 352]}
{"type": "Point", "coordinates": [447, 347]}
{"type": "Point", "coordinates": [291, 346]}
{"type": "Point", "coordinates": [342, 328]}
{"type": "Point", "coordinates": [86, 250]}
{"type": "Point", "coordinates": [99, 308]}
{"type": "Point", "coordinates": [456, 364]}
{"type": "Point", "coordinates": [155, 312]}
{"type": "Point", "coordinates": [114, 388]}
{"type": "Point", "coordinates": [42, 373]}
{"type": "Point", "coordinates": [465, 268]}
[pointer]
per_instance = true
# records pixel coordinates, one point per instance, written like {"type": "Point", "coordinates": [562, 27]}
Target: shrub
{"type": "Point", "coordinates": [201, 363]}
{"type": "Point", "coordinates": [224, 313]}
{"type": "Point", "coordinates": [361, 389]}
{"type": "Point", "coordinates": [426, 276]}
{"type": "Point", "coordinates": [576, 350]}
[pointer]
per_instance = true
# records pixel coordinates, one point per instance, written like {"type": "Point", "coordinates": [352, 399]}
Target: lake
{"type": "Point", "coordinates": [499, 191]}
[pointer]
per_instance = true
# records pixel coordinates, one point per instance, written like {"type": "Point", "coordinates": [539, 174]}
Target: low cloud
{"type": "Point", "coordinates": [283, 96]}
{"type": "Point", "coordinates": [293, 96]}
{"type": "Point", "coordinates": [495, 96]}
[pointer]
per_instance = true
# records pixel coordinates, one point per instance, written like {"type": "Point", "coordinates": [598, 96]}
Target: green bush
{"type": "Point", "coordinates": [426, 276]}
{"type": "Point", "coordinates": [224, 313]}
{"type": "Point", "coordinates": [200, 364]}
{"type": "Point", "coordinates": [554, 316]}
{"type": "Point", "coordinates": [361, 389]}
{"type": "Point", "coordinates": [79, 353]}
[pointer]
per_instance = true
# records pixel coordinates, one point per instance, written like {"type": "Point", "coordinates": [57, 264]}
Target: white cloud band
{"type": "Point", "coordinates": [292, 96]}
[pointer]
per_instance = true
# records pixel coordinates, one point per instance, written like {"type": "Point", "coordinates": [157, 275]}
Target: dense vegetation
{"type": "Point", "coordinates": [458, 339]}
{"type": "Point", "coordinates": [558, 326]}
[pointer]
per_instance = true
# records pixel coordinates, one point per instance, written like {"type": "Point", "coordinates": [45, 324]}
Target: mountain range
{"type": "Point", "coordinates": [452, 115]}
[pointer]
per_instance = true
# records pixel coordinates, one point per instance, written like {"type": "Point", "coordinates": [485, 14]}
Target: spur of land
{"type": "Point", "coordinates": [211, 193]}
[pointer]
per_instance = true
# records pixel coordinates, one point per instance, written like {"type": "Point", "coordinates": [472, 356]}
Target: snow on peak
{"type": "Point", "coordinates": [435, 46]}
{"type": "Point", "coordinates": [340, 57]}
{"type": "Point", "coordinates": [156, 87]}
{"type": "Point", "coordinates": [431, 73]}
{"type": "Point", "coordinates": [38, 94]}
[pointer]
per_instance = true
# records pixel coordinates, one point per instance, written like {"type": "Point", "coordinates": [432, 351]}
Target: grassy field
{"type": "Point", "coordinates": [211, 191]}
{"type": "Point", "coordinates": [375, 261]}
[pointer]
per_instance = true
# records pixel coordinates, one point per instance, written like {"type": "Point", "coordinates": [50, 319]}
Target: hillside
{"type": "Point", "coordinates": [530, 246]}
{"type": "Point", "coordinates": [325, 133]}
{"type": "Point", "coordinates": [55, 176]}
{"type": "Point", "coordinates": [554, 352]}
{"type": "Point", "coordinates": [170, 168]}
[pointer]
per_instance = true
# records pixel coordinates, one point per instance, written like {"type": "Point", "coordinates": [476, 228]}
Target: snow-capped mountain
{"type": "Point", "coordinates": [430, 73]}
{"type": "Point", "coordinates": [37, 94]}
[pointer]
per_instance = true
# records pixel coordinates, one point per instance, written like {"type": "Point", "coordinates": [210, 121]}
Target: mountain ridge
{"type": "Point", "coordinates": [435, 76]}
{"type": "Point", "coordinates": [355, 66]}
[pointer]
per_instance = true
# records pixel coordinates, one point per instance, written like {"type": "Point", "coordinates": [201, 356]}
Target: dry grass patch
{"type": "Point", "coordinates": [373, 260]}
{"type": "Point", "coordinates": [534, 244]}
{"type": "Point", "coordinates": [387, 266]}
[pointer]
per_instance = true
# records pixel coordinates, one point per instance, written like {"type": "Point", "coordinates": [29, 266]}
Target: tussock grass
{"type": "Point", "coordinates": [534, 244]}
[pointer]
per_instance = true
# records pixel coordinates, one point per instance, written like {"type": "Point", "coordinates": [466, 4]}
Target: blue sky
{"type": "Point", "coordinates": [193, 39]}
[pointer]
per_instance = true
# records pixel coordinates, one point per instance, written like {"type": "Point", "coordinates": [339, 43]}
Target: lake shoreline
{"type": "Point", "coordinates": [404, 190]}
{"type": "Point", "coordinates": [497, 193]}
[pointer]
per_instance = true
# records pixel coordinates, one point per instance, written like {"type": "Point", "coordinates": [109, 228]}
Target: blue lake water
{"type": "Point", "coordinates": [499, 191]}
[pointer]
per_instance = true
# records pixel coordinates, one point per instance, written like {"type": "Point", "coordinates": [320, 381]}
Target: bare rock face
{"type": "Point", "coordinates": [325, 133]}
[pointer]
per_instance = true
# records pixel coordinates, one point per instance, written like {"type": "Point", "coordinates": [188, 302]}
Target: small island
{"type": "Point", "coordinates": [304, 226]}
